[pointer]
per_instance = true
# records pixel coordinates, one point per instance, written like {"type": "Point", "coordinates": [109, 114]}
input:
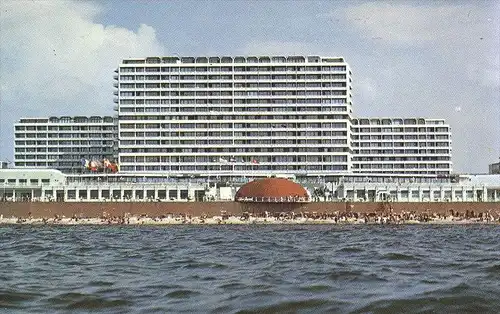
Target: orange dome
{"type": "Point", "coordinates": [272, 190]}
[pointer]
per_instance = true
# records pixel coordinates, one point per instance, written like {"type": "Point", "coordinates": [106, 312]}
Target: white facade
{"type": "Point", "coordinates": [463, 188]}
{"type": "Point", "coordinates": [51, 185]}
{"type": "Point", "coordinates": [61, 142]}
{"type": "Point", "coordinates": [238, 115]}
{"type": "Point", "coordinates": [401, 146]}
{"type": "Point", "coordinates": [374, 192]}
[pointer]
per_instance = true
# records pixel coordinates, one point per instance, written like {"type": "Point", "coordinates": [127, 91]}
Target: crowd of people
{"type": "Point", "coordinates": [386, 217]}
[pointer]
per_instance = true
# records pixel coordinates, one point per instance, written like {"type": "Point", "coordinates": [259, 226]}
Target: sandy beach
{"type": "Point", "coordinates": [289, 218]}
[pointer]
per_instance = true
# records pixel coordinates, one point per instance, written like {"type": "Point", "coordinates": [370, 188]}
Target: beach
{"type": "Point", "coordinates": [290, 218]}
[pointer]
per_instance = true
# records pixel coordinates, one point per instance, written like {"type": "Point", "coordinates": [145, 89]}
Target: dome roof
{"type": "Point", "coordinates": [272, 190]}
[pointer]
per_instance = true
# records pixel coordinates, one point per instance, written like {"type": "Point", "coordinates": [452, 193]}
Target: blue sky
{"type": "Point", "coordinates": [416, 58]}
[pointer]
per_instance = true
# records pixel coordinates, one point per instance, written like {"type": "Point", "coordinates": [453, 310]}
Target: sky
{"type": "Point", "coordinates": [432, 59]}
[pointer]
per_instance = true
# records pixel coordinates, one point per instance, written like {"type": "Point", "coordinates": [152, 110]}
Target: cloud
{"type": "Point", "coordinates": [407, 59]}
{"type": "Point", "coordinates": [276, 47]}
{"type": "Point", "coordinates": [55, 59]}
{"type": "Point", "coordinates": [436, 58]}
{"type": "Point", "coordinates": [421, 24]}
{"type": "Point", "coordinates": [466, 34]}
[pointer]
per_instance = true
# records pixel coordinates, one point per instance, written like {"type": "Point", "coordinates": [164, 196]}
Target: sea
{"type": "Point", "coordinates": [250, 269]}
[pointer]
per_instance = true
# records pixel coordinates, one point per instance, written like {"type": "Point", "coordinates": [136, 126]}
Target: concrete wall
{"type": "Point", "coordinates": [41, 209]}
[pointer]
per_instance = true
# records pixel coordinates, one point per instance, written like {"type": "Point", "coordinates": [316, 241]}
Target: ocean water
{"type": "Point", "coordinates": [250, 269]}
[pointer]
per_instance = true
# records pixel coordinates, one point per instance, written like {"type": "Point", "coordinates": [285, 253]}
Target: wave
{"type": "Point", "coordinates": [195, 265]}
{"type": "Point", "coordinates": [17, 299]}
{"type": "Point", "coordinates": [233, 286]}
{"type": "Point", "coordinates": [400, 257]}
{"type": "Point", "coordinates": [81, 301]}
{"type": "Point", "coordinates": [434, 304]}
{"type": "Point", "coordinates": [100, 283]}
{"type": "Point", "coordinates": [354, 275]}
{"type": "Point", "coordinates": [181, 294]}
{"type": "Point", "coordinates": [249, 269]}
{"type": "Point", "coordinates": [494, 269]}
{"type": "Point", "coordinates": [315, 288]}
{"type": "Point", "coordinates": [289, 306]}
{"type": "Point", "coordinates": [350, 249]}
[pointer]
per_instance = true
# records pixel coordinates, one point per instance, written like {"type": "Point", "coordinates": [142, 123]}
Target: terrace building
{"type": "Point", "coordinates": [401, 146]}
{"type": "Point", "coordinates": [61, 142]}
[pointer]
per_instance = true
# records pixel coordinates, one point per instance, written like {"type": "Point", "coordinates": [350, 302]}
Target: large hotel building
{"type": "Point", "coordinates": [242, 116]}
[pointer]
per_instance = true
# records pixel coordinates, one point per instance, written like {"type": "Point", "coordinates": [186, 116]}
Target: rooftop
{"type": "Point", "coordinates": [272, 190]}
{"type": "Point", "coordinates": [68, 119]}
{"type": "Point", "coordinates": [236, 59]}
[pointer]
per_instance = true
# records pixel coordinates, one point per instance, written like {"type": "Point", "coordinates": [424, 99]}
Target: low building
{"type": "Point", "coordinates": [47, 185]}
{"type": "Point", "coordinates": [467, 188]}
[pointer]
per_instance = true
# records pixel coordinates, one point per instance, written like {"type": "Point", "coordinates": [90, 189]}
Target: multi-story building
{"type": "Point", "coordinates": [239, 115]}
{"type": "Point", "coordinates": [61, 142]}
{"type": "Point", "coordinates": [234, 117]}
{"type": "Point", "coordinates": [401, 146]}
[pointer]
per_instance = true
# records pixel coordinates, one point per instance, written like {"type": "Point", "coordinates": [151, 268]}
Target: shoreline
{"type": "Point", "coordinates": [234, 220]}
{"type": "Point", "coordinates": [238, 209]}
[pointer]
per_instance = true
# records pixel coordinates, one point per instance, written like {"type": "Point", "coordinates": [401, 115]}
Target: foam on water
{"type": "Point", "coordinates": [250, 269]}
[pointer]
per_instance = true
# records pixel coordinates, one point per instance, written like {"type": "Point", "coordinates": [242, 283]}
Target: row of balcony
{"type": "Point", "coordinates": [226, 116]}
{"type": "Point", "coordinates": [148, 113]}
{"type": "Point", "coordinates": [314, 99]}
{"type": "Point", "coordinates": [280, 151]}
{"type": "Point", "coordinates": [198, 88]}
{"type": "Point", "coordinates": [233, 72]}
{"type": "Point", "coordinates": [203, 70]}
{"type": "Point", "coordinates": [385, 140]}
{"type": "Point", "coordinates": [235, 151]}
{"type": "Point", "coordinates": [231, 80]}
{"type": "Point", "coordinates": [124, 137]}
{"type": "Point", "coordinates": [422, 152]}
{"type": "Point", "coordinates": [127, 127]}
{"type": "Point", "coordinates": [61, 143]}
{"type": "Point", "coordinates": [207, 147]}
